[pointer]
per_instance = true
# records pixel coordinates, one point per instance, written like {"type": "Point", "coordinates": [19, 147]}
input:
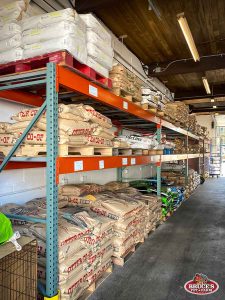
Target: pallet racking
{"type": "Point", "coordinates": [44, 88]}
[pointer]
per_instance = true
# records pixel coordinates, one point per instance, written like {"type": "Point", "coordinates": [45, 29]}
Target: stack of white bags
{"type": "Point", "coordinates": [99, 46]}
{"type": "Point", "coordinates": [23, 36]}
{"type": "Point", "coordinates": [10, 31]}
{"type": "Point", "coordinates": [59, 30]}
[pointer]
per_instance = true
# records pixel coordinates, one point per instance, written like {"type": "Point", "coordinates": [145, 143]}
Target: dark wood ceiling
{"type": "Point", "coordinates": [156, 38]}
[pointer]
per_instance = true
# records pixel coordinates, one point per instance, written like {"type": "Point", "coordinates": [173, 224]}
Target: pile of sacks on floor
{"type": "Point", "coordinates": [24, 35]}
{"type": "Point", "coordinates": [119, 202]}
{"type": "Point", "coordinates": [96, 223]}
{"type": "Point", "coordinates": [79, 125]}
{"type": "Point", "coordinates": [84, 244]}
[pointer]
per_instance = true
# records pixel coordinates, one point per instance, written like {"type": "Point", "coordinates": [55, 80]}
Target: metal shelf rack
{"type": "Point", "coordinates": [56, 83]}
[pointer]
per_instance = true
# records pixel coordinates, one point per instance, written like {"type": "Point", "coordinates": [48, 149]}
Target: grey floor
{"type": "Point", "coordinates": [192, 240]}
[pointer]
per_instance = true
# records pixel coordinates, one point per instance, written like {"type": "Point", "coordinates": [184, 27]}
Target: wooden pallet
{"type": "Point", "coordinates": [62, 58]}
{"type": "Point", "coordinates": [120, 261]}
{"type": "Point", "coordinates": [148, 107]}
{"type": "Point", "coordinates": [127, 95]}
{"type": "Point", "coordinates": [64, 150]}
{"type": "Point", "coordinates": [129, 151]}
{"type": "Point", "coordinates": [89, 291]}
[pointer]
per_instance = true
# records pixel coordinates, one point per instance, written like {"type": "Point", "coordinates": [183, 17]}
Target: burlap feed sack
{"type": "Point", "coordinates": [7, 139]}
{"type": "Point", "coordinates": [97, 117]}
{"type": "Point", "coordinates": [114, 185]}
{"type": "Point", "coordinates": [67, 232]}
{"type": "Point", "coordinates": [4, 126]}
{"type": "Point", "coordinates": [64, 111]}
{"type": "Point", "coordinates": [80, 189]}
{"type": "Point", "coordinates": [89, 140]}
{"type": "Point", "coordinates": [70, 127]}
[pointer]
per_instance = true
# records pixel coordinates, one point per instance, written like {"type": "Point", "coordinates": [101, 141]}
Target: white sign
{"type": "Point", "coordinates": [101, 164]}
{"type": "Point", "coordinates": [125, 105]}
{"type": "Point", "coordinates": [133, 161]}
{"type": "Point", "coordinates": [124, 161]}
{"type": "Point", "coordinates": [93, 90]}
{"type": "Point", "coordinates": [78, 165]}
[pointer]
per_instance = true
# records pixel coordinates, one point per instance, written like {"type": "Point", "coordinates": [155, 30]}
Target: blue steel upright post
{"type": "Point", "coordinates": [51, 186]}
{"type": "Point", "coordinates": [159, 132]}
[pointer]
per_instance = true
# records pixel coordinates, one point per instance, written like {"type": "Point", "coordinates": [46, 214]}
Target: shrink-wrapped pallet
{"type": "Point", "coordinates": [60, 30]}
{"type": "Point", "coordinates": [99, 45]}
{"type": "Point", "coordinates": [10, 31]}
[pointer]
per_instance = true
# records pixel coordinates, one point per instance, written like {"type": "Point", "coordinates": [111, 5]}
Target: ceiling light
{"type": "Point", "coordinates": [212, 100]}
{"type": "Point", "coordinates": [206, 85]}
{"type": "Point", "coordinates": [214, 106]}
{"type": "Point", "coordinates": [188, 36]}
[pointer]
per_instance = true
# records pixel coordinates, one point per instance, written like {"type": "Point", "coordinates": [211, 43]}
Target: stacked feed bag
{"type": "Point", "coordinates": [125, 82]}
{"type": "Point", "coordinates": [84, 245]}
{"type": "Point", "coordinates": [99, 46]}
{"type": "Point", "coordinates": [139, 142]}
{"type": "Point", "coordinates": [119, 203]}
{"type": "Point", "coordinates": [10, 31]}
{"type": "Point", "coordinates": [59, 30]}
{"type": "Point", "coordinates": [79, 125]}
{"type": "Point", "coordinates": [154, 211]}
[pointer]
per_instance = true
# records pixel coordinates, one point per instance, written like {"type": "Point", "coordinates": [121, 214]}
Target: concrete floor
{"type": "Point", "coordinates": [191, 241]}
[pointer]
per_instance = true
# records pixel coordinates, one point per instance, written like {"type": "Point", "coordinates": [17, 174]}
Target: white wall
{"type": "Point", "coordinates": [206, 120]}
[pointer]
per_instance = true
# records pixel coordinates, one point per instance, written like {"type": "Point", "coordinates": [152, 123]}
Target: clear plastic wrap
{"type": "Point", "coordinates": [105, 46]}
{"type": "Point", "coordinates": [15, 6]}
{"type": "Point", "coordinates": [10, 43]}
{"type": "Point", "coordinates": [76, 47]}
{"type": "Point", "coordinates": [55, 30]}
{"type": "Point", "coordinates": [91, 62]}
{"type": "Point", "coordinates": [9, 30]}
{"type": "Point", "coordinates": [43, 20]}
{"type": "Point", "coordinates": [94, 25]}
{"type": "Point", "coordinates": [99, 56]}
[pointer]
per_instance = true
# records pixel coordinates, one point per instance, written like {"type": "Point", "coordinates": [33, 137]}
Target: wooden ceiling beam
{"type": "Point", "coordinates": [85, 6]}
{"type": "Point", "coordinates": [185, 66]}
{"type": "Point", "coordinates": [204, 100]}
{"type": "Point", "coordinates": [207, 109]}
{"type": "Point", "coordinates": [218, 91]}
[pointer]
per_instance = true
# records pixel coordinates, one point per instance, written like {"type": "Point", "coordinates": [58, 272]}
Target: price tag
{"type": "Point", "coordinates": [124, 161]}
{"type": "Point", "coordinates": [101, 164]}
{"type": "Point", "coordinates": [133, 161]}
{"type": "Point", "coordinates": [125, 105]}
{"type": "Point", "coordinates": [93, 90]}
{"type": "Point", "coordinates": [78, 165]}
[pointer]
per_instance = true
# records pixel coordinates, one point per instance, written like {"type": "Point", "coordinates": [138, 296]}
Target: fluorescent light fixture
{"type": "Point", "coordinates": [206, 85]}
{"type": "Point", "coordinates": [188, 36]}
{"type": "Point", "coordinates": [212, 100]}
{"type": "Point", "coordinates": [214, 106]}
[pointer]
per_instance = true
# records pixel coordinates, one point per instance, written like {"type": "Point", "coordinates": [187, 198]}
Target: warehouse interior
{"type": "Point", "coordinates": [112, 149]}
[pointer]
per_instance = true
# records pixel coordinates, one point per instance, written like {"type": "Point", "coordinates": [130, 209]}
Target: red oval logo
{"type": "Point", "coordinates": [201, 285]}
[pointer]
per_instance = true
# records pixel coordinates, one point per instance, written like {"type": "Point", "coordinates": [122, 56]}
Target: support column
{"type": "Point", "coordinates": [158, 165]}
{"type": "Point", "coordinates": [51, 186]}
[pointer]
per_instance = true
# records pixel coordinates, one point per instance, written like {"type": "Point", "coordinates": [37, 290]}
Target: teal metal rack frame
{"type": "Point", "coordinates": [47, 77]}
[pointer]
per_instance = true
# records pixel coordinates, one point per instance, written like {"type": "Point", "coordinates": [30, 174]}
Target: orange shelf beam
{"type": "Point", "coordinates": [75, 82]}
{"type": "Point", "coordinates": [67, 165]}
{"type": "Point", "coordinates": [13, 165]}
{"type": "Point", "coordinates": [22, 97]}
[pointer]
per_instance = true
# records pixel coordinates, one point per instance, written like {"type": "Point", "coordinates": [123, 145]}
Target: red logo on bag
{"type": "Point", "coordinates": [201, 285]}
